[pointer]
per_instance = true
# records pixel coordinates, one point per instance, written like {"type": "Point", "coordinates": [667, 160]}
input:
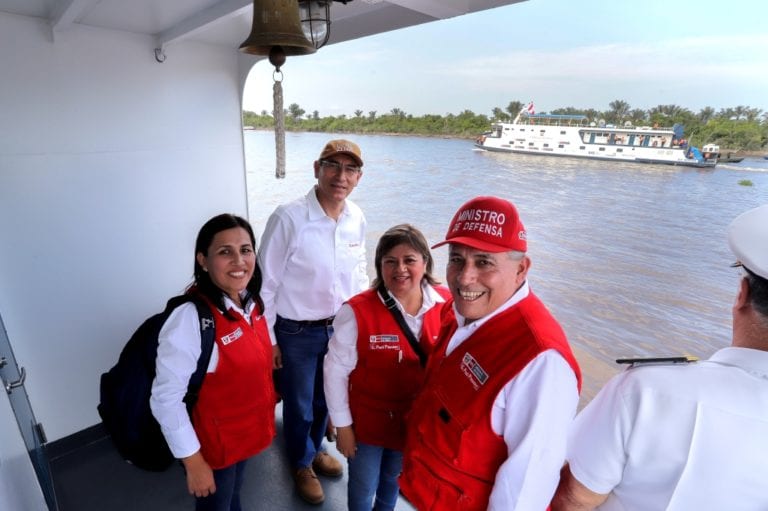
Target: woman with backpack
{"type": "Point", "coordinates": [375, 364]}
{"type": "Point", "coordinates": [234, 416]}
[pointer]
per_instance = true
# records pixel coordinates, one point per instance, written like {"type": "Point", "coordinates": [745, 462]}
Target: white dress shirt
{"type": "Point", "coordinates": [678, 437]}
{"type": "Point", "coordinates": [533, 413]}
{"type": "Point", "coordinates": [311, 263]}
{"type": "Point", "coordinates": [177, 353]}
{"type": "Point", "coordinates": [341, 358]}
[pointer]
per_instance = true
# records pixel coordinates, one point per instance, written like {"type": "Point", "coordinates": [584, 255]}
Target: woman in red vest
{"type": "Point", "coordinates": [373, 370]}
{"type": "Point", "coordinates": [234, 417]}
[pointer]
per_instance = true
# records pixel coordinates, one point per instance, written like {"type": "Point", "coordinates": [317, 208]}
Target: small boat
{"type": "Point", "coordinates": [711, 149]}
{"type": "Point", "coordinates": [575, 136]}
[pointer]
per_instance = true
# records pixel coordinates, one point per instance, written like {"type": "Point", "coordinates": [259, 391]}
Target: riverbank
{"type": "Point", "coordinates": [734, 153]}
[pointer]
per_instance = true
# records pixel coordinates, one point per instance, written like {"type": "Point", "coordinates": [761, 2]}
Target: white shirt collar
{"type": "Point", "coordinates": [751, 360]}
{"type": "Point", "coordinates": [430, 298]}
{"type": "Point", "coordinates": [245, 312]}
{"type": "Point", "coordinates": [316, 211]}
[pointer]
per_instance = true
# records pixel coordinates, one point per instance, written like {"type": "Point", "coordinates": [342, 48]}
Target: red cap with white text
{"type": "Point", "coordinates": [490, 224]}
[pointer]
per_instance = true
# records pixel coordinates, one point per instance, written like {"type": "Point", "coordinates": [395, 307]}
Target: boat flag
{"type": "Point", "coordinates": [531, 109]}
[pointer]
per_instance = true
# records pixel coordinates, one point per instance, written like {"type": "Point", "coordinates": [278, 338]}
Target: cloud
{"type": "Point", "coordinates": [693, 72]}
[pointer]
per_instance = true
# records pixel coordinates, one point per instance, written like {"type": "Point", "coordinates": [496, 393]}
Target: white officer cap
{"type": "Point", "coordinates": [748, 238]}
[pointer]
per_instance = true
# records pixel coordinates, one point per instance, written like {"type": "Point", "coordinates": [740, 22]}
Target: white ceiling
{"type": "Point", "coordinates": [228, 22]}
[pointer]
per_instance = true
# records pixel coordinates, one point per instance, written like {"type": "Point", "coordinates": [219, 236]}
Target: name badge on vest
{"type": "Point", "coordinates": [238, 333]}
{"type": "Point", "coordinates": [472, 370]}
{"type": "Point", "coordinates": [384, 342]}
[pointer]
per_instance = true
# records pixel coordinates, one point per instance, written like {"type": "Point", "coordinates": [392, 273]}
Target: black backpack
{"type": "Point", "coordinates": [125, 389]}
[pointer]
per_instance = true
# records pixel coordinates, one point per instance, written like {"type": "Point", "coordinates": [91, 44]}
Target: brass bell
{"type": "Point", "coordinates": [276, 23]}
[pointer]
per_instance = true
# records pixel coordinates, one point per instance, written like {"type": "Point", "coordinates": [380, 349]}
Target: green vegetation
{"type": "Point", "coordinates": [734, 129]}
{"type": "Point", "coordinates": [745, 182]}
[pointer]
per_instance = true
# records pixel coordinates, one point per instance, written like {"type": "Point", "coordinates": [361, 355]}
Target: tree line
{"type": "Point", "coordinates": [739, 128]}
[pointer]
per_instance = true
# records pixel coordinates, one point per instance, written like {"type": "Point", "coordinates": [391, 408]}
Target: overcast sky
{"type": "Point", "coordinates": [557, 53]}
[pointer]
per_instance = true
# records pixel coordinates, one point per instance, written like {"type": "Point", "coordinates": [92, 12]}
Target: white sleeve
{"type": "Point", "coordinates": [596, 444]}
{"type": "Point", "coordinates": [273, 256]}
{"type": "Point", "coordinates": [339, 362]}
{"type": "Point", "coordinates": [533, 413]}
{"type": "Point", "coordinates": [177, 353]}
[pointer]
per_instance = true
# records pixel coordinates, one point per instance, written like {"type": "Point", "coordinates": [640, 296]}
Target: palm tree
{"type": "Point", "coordinates": [295, 111]}
{"type": "Point", "coordinates": [619, 110]}
{"type": "Point", "coordinates": [397, 113]}
{"type": "Point", "coordinates": [705, 114]}
{"type": "Point", "coordinates": [513, 108]}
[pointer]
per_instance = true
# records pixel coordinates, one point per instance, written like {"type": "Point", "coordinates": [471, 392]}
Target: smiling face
{"type": "Point", "coordinates": [230, 261]}
{"type": "Point", "coordinates": [402, 269]}
{"type": "Point", "coordinates": [336, 182]}
{"type": "Point", "coordinates": [481, 282]}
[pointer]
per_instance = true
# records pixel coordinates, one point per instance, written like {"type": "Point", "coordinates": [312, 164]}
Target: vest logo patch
{"type": "Point", "coordinates": [384, 342]}
{"type": "Point", "coordinates": [238, 333]}
{"type": "Point", "coordinates": [472, 370]}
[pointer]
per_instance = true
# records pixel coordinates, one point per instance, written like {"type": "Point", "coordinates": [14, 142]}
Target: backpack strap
{"type": "Point", "coordinates": [207, 339]}
{"type": "Point", "coordinates": [392, 306]}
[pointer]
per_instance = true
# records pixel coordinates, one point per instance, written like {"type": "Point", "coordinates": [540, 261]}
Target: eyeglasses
{"type": "Point", "coordinates": [349, 168]}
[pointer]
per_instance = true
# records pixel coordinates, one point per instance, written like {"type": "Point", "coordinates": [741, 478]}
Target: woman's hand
{"type": "Point", "coordinates": [199, 475]}
{"type": "Point", "coordinates": [345, 441]}
{"type": "Point", "coordinates": [277, 357]}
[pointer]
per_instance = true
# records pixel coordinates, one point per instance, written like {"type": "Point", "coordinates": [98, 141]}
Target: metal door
{"type": "Point", "coordinates": [12, 377]}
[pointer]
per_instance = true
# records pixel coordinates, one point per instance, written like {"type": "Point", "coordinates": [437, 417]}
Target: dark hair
{"type": "Point", "coordinates": [203, 280]}
{"type": "Point", "coordinates": [397, 235]}
{"type": "Point", "coordinates": [758, 292]}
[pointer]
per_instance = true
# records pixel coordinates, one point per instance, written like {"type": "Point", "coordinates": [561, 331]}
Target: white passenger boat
{"type": "Point", "coordinates": [575, 136]}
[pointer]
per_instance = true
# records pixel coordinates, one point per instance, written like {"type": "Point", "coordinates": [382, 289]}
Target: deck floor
{"type": "Point", "coordinates": [93, 477]}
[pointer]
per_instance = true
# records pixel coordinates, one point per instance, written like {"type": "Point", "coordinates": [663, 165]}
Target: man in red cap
{"type": "Point", "coordinates": [489, 429]}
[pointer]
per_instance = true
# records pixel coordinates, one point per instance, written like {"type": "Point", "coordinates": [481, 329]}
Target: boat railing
{"type": "Point", "coordinates": [552, 119]}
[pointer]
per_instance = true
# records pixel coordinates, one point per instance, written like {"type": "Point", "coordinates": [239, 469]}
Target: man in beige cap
{"type": "Point", "coordinates": [312, 257]}
{"type": "Point", "coordinates": [684, 436]}
{"type": "Point", "coordinates": [488, 430]}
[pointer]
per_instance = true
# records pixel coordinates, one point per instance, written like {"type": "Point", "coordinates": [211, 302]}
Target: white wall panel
{"type": "Point", "coordinates": [109, 164]}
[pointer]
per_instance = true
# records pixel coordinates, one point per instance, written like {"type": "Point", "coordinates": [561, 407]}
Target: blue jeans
{"type": "Point", "coordinates": [373, 471]}
{"type": "Point", "coordinates": [305, 414]}
{"type": "Point", "coordinates": [228, 481]}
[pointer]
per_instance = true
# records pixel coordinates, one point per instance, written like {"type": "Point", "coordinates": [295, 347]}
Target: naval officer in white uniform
{"type": "Point", "coordinates": [684, 437]}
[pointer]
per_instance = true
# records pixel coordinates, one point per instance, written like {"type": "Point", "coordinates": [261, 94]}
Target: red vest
{"type": "Point", "coordinates": [452, 453]}
{"type": "Point", "coordinates": [388, 375]}
{"type": "Point", "coordinates": [234, 417]}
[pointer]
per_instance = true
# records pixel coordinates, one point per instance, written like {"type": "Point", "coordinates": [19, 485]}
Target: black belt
{"type": "Point", "coordinates": [315, 322]}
